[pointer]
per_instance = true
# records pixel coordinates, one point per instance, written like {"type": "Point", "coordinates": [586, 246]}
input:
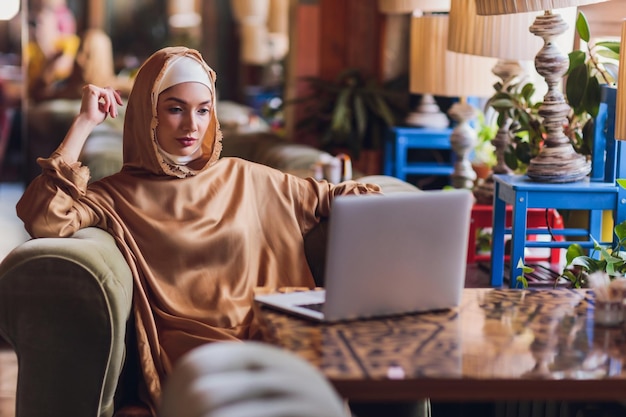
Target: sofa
{"type": "Point", "coordinates": [65, 303]}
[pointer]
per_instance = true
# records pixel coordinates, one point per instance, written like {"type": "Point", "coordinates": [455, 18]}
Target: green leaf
{"type": "Point", "coordinates": [576, 59]}
{"type": "Point", "coordinates": [614, 46]}
{"type": "Point", "coordinates": [360, 116]}
{"type": "Point", "coordinates": [511, 161]}
{"type": "Point", "coordinates": [522, 280]}
{"type": "Point", "coordinates": [341, 113]}
{"type": "Point", "coordinates": [589, 264]}
{"type": "Point", "coordinates": [501, 104]}
{"type": "Point", "coordinates": [582, 27]}
{"type": "Point", "coordinates": [523, 152]}
{"type": "Point", "coordinates": [607, 53]}
{"type": "Point", "coordinates": [620, 230]}
{"type": "Point", "coordinates": [573, 251]}
{"type": "Point", "coordinates": [528, 91]}
{"type": "Point", "coordinates": [525, 270]}
{"type": "Point", "coordinates": [576, 86]}
{"type": "Point", "coordinates": [574, 279]}
{"type": "Point", "coordinates": [593, 96]}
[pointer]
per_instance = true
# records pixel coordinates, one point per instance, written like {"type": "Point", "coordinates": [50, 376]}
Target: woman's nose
{"type": "Point", "coordinates": [190, 123]}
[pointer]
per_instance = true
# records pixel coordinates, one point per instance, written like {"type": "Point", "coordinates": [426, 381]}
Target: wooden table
{"type": "Point", "coordinates": [500, 344]}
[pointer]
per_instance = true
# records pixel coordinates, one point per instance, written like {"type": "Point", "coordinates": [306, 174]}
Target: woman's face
{"type": "Point", "coordinates": [184, 114]}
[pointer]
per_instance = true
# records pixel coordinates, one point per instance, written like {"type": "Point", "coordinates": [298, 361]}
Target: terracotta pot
{"type": "Point", "coordinates": [482, 170]}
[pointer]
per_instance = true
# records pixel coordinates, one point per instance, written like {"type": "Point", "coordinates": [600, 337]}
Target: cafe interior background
{"type": "Point", "coordinates": [302, 38]}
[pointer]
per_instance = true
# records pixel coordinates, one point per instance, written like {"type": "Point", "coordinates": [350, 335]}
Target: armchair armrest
{"type": "Point", "coordinates": [64, 305]}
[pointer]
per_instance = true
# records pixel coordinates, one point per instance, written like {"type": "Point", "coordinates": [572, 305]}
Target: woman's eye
{"type": "Point", "coordinates": [203, 111]}
{"type": "Point", "coordinates": [175, 110]}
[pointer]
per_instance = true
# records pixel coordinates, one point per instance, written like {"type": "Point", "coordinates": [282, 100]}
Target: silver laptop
{"type": "Point", "coordinates": [387, 255]}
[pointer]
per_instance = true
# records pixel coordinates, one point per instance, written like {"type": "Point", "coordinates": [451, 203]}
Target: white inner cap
{"type": "Point", "coordinates": [184, 69]}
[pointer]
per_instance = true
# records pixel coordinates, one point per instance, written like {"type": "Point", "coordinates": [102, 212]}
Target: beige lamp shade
{"type": "Point", "coordinates": [408, 6]}
{"type": "Point", "coordinates": [505, 36]}
{"type": "Point", "coordinates": [9, 9]}
{"type": "Point", "coordinates": [436, 70]}
{"type": "Point", "coordinates": [491, 7]}
{"type": "Point", "coordinates": [278, 16]}
{"type": "Point", "coordinates": [183, 14]}
{"type": "Point", "coordinates": [620, 110]}
{"type": "Point", "coordinates": [250, 10]}
{"type": "Point", "coordinates": [255, 49]}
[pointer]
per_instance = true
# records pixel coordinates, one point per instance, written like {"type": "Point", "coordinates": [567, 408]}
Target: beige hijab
{"type": "Point", "coordinates": [140, 149]}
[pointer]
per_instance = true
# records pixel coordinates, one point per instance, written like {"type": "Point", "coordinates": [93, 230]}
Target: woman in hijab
{"type": "Point", "coordinates": [199, 232]}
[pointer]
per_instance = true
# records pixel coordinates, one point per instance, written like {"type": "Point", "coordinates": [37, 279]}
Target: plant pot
{"type": "Point", "coordinates": [482, 170]}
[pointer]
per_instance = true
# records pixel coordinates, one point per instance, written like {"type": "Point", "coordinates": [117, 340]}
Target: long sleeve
{"type": "Point", "coordinates": [53, 204]}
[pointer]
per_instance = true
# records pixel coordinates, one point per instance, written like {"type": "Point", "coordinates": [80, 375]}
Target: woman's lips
{"type": "Point", "coordinates": [187, 141]}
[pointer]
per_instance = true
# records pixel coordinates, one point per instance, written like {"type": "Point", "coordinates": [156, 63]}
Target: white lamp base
{"type": "Point", "coordinates": [428, 114]}
{"type": "Point", "coordinates": [463, 141]}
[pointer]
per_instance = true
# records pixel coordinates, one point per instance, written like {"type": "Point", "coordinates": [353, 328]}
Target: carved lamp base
{"type": "Point", "coordinates": [557, 161]}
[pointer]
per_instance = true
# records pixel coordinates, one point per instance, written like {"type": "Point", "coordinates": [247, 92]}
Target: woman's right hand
{"type": "Point", "coordinates": [97, 103]}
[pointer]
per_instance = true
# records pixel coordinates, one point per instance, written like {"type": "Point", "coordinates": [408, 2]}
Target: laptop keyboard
{"type": "Point", "coordinates": [314, 306]}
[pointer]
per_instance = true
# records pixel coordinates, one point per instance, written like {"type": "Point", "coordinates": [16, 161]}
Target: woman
{"type": "Point", "coordinates": [50, 52]}
{"type": "Point", "coordinates": [199, 232]}
{"type": "Point", "coordinates": [93, 65]}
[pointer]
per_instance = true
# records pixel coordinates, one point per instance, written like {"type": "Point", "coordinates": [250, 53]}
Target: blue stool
{"type": "Point", "coordinates": [400, 139]}
{"type": "Point", "coordinates": [597, 193]}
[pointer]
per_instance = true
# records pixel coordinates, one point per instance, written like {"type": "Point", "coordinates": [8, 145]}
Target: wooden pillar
{"type": "Point", "coordinates": [96, 14]}
{"type": "Point", "coordinates": [349, 37]}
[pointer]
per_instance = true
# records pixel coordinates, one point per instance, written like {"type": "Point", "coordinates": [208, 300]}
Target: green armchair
{"type": "Point", "coordinates": [65, 304]}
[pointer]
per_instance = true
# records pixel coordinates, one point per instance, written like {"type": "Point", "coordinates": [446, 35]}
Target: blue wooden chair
{"type": "Point", "coordinates": [597, 193]}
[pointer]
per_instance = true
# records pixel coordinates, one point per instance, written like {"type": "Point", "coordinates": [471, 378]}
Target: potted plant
{"type": "Point", "coordinates": [587, 71]}
{"type": "Point", "coordinates": [518, 112]}
{"type": "Point", "coordinates": [350, 113]}
{"type": "Point", "coordinates": [612, 260]}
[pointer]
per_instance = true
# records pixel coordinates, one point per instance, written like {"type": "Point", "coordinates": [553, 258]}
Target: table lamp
{"type": "Point", "coordinates": [427, 112]}
{"type": "Point", "coordinates": [620, 106]}
{"type": "Point", "coordinates": [395, 34]}
{"type": "Point", "coordinates": [557, 161]}
{"type": "Point", "coordinates": [505, 37]}
{"type": "Point", "coordinates": [435, 70]}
